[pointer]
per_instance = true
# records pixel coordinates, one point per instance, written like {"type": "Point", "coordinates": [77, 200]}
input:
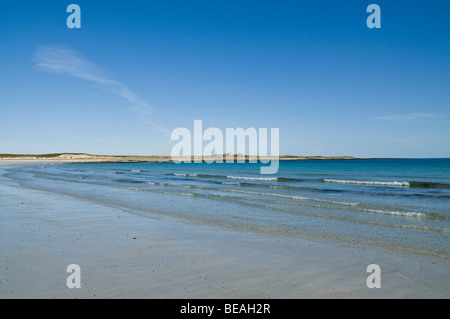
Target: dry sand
{"type": "Point", "coordinates": [124, 255]}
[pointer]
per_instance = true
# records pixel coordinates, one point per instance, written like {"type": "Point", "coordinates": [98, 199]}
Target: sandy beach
{"type": "Point", "coordinates": [123, 254]}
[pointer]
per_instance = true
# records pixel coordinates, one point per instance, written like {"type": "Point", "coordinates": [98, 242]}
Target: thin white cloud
{"type": "Point", "coordinates": [408, 117]}
{"type": "Point", "coordinates": [56, 59]}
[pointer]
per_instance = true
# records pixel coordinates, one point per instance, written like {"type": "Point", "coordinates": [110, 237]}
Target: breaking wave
{"type": "Point", "coordinates": [376, 183]}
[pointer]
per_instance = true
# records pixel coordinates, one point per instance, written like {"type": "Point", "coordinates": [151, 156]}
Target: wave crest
{"type": "Point", "coordinates": [376, 183]}
{"type": "Point", "coordinates": [253, 178]}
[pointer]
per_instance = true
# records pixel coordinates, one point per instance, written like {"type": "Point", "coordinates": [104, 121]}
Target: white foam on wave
{"type": "Point", "coordinates": [230, 183]}
{"type": "Point", "coordinates": [376, 183]}
{"type": "Point", "coordinates": [408, 214]}
{"type": "Point", "coordinates": [98, 172]}
{"type": "Point", "coordinates": [185, 175]}
{"type": "Point", "coordinates": [296, 197]}
{"type": "Point", "coordinates": [253, 178]}
{"type": "Point", "coordinates": [136, 170]}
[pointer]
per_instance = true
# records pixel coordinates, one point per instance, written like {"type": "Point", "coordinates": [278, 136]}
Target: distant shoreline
{"type": "Point", "coordinates": [8, 159]}
{"type": "Point", "coordinates": [88, 158]}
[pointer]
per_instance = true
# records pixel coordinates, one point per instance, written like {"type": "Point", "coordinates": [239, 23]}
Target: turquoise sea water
{"type": "Point", "coordinates": [395, 203]}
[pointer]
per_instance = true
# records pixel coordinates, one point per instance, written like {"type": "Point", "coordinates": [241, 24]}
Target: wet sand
{"type": "Point", "coordinates": [123, 254]}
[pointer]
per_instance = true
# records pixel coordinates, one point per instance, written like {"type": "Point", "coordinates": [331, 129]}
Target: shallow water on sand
{"type": "Point", "coordinates": [394, 203]}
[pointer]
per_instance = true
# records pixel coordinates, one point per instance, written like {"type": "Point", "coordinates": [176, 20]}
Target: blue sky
{"type": "Point", "coordinates": [136, 70]}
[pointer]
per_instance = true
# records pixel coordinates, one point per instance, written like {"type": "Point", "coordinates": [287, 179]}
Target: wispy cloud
{"type": "Point", "coordinates": [409, 117]}
{"type": "Point", "coordinates": [56, 59]}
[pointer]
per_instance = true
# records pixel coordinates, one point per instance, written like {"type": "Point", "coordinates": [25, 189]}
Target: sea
{"type": "Point", "coordinates": [398, 204]}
